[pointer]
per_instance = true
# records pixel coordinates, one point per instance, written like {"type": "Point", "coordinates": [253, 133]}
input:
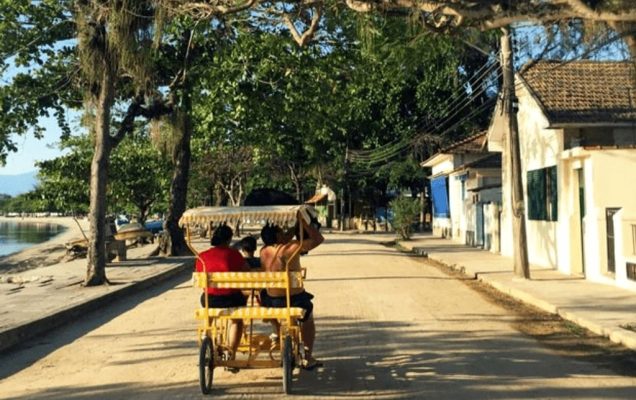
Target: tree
{"type": "Point", "coordinates": [82, 54]}
{"type": "Point", "coordinates": [303, 18]}
{"type": "Point", "coordinates": [185, 48]}
{"type": "Point", "coordinates": [441, 15]}
{"type": "Point", "coordinates": [227, 168]}
{"type": "Point", "coordinates": [261, 91]}
{"type": "Point", "coordinates": [139, 177]}
{"type": "Point", "coordinates": [36, 62]}
{"type": "Point", "coordinates": [63, 179]}
{"type": "Point", "coordinates": [405, 211]}
{"type": "Point", "coordinates": [114, 46]}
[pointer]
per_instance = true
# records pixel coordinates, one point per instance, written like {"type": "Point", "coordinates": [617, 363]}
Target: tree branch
{"type": "Point", "coordinates": [309, 33]}
{"type": "Point", "coordinates": [438, 15]}
{"type": "Point", "coordinates": [207, 10]}
{"type": "Point", "coordinates": [135, 109]}
{"type": "Point", "coordinates": [128, 123]}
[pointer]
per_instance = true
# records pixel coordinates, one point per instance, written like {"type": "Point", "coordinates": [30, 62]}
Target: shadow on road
{"type": "Point", "coordinates": [24, 355]}
{"type": "Point", "coordinates": [395, 360]}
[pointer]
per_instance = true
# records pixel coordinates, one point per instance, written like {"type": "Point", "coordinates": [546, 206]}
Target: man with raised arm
{"type": "Point", "coordinates": [279, 250]}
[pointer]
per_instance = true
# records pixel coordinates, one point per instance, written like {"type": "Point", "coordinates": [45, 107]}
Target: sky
{"type": "Point", "coordinates": [31, 149]}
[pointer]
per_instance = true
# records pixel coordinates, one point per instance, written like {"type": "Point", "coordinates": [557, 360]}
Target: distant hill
{"type": "Point", "coordinates": [14, 185]}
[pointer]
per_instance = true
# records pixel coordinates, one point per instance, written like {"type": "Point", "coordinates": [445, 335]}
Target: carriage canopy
{"type": "Point", "coordinates": [279, 215]}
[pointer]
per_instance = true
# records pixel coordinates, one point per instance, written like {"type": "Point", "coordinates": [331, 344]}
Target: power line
{"type": "Point", "coordinates": [368, 169]}
{"type": "Point", "coordinates": [393, 149]}
{"type": "Point", "coordinates": [390, 150]}
{"type": "Point", "coordinates": [455, 97]}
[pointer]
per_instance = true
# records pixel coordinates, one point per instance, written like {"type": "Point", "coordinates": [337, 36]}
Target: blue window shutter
{"type": "Point", "coordinates": [439, 194]}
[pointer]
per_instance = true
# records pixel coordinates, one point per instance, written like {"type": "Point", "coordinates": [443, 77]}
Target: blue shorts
{"type": "Point", "coordinates": [227, 301]}
{"type": "Point", "coordinates": [302, 300]}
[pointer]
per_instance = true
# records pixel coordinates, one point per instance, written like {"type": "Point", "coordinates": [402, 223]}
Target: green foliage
{"type": "Point", "coordinates": [405, 211]}
{"type": "Point", "coordinates": [64, 179]}
{"type": "Point", "coordinates": [138, 177]}
{"type": "Point", "coordinates": [299, 108]}
{"type": "Point", "coordinates": [31, 202]}
{"type": "Point", "coordinates": [39, 77]}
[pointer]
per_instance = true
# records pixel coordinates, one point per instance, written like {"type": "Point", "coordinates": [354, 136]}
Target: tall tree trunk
{"type": "Point", "coordinates": [296, 181]}
{"type": "Point", "coordinates": [219, 196]}
{"type": "Point", "coordinates": [179, 184]}
{"type": "Point", "coordinates": [96, 269]}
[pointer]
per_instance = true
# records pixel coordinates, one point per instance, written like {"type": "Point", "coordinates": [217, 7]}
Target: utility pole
{"type": "Point", "coordinates": [342, 190]}
{"type": "Point", "coordinates": [510, 106]}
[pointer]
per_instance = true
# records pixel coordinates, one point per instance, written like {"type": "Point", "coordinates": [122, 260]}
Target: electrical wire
{"type": "Point", "coordinates": [386, 152]}
{"type": "Point", "coordinates": [367, 168]}
{"type": "Point", "coordinates": [391, 150]}
{"type": "Point", "coordinates": [457, 96]}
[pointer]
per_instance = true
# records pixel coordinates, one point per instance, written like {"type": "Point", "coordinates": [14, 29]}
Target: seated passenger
{"type": "Point", "coordinates": [247, 245]}
{"type": "Point", "coordinates": [222, 258]}
{"type": "Point", "coordinates": [280, 249]}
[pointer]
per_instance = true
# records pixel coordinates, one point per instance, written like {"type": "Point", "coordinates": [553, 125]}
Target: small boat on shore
{"type": "Point", "coordinates": [133, 231]}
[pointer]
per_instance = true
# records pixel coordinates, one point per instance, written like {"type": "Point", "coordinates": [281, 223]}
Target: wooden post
{"type": "Point", "coordinates": [520, 243]}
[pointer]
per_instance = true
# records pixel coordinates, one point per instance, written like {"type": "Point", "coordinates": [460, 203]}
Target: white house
{"type": "Point", "coordinates": [466, 192]}
{"type": "Point", "coordinates": [577, 128]}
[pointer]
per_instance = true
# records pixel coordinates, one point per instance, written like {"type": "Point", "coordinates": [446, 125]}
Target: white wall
{"type": "Point", "coordinates": [540, 148]}
{"type": "Point", "coordinates": [458, 217]}
{"type": "Point", "coordinates": [612, 174]}
{"type": "Point", "coordinates": [444, 166]}
{"type": "Point", "coordinates": [491, 213]}
{"type": "Point", "coordinates": [461, 206]}
{"type": "Point", "coordinates": [608, 175]}
{"type": "Point", "coordinates": [441, 227]}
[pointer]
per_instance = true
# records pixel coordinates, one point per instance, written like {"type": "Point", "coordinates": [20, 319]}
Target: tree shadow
{"type": "Point", "coordinates": [31, 351]}
{"type": "Point", "coordinates": [391, 360]}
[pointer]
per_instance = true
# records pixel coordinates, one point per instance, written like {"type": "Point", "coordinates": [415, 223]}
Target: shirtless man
{"type": "Point", "coordinates": [279, 249]}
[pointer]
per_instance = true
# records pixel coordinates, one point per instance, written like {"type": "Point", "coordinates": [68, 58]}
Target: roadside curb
{"type": "Point", "coordinates": [19, 334]}
{"type": "Point", "coordinates": [618, 335]}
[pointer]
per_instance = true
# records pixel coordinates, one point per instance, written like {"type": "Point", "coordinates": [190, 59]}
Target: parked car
{"type": "Point", "coordinates": [154, 226]}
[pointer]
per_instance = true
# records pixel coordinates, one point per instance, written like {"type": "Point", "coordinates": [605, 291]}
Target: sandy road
{"type": "Point", "coordinates": [388, 325]}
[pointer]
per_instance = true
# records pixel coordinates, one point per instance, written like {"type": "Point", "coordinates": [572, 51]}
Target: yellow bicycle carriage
{"type": "Point", "coordinates": [255, 350]}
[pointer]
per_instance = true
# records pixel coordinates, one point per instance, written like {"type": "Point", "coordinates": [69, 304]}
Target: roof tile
{"type": "Point", "coordinates": [584, 91]}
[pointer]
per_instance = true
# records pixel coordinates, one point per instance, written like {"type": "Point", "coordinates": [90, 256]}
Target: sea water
{"type": "Point", "coordinates": [17, 235]}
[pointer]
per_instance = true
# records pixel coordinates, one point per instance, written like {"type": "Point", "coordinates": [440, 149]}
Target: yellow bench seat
{"type": "Point", "coordinates": [251, 312]}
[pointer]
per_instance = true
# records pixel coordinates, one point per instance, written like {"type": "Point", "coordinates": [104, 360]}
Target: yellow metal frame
{"type": "Point", "coordinates": [216, 326]}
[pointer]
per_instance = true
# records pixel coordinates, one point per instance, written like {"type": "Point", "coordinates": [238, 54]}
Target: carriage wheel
{"type": "Point", "coordinates": [288, 364]}
{"type": "Point", "coordinates": [206, 365]}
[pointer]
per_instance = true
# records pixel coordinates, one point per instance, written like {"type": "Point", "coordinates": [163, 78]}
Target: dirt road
{"type": "Point", "coordinates": [388, 325]}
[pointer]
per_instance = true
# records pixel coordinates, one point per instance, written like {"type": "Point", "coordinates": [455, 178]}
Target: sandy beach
{"type": "Point", "coordinates": [46, 253]}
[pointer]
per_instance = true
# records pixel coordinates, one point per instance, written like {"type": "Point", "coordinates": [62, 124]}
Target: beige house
{"type": "Point", "coordinates": [577, 128]}
{"type": "Point", "coordinates": [465, 189]}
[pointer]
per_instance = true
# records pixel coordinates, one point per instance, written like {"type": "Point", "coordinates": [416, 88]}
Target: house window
{"type": "Point", "coordinates": [462, 179]}
{"type": "Point", "coordinates": [542, 194]}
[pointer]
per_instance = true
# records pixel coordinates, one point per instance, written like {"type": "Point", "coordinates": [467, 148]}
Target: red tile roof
{"type": "Point", "coordinates": [584, 92]}
{"type": "Point", "coordinates": [471, 144]}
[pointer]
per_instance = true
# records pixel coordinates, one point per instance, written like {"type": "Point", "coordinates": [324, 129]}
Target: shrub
{"type": "Point", "coordinates": [405, 211]}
